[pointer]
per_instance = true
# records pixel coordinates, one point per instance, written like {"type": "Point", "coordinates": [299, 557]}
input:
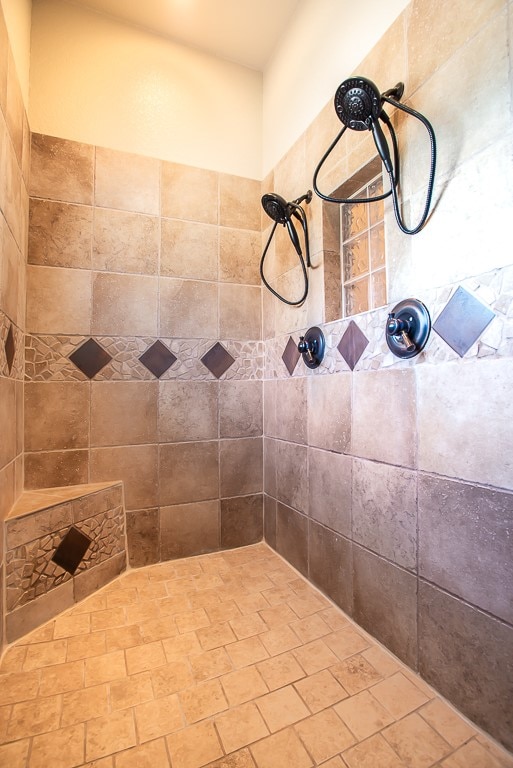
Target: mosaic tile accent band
{"type": "Point", "coordinates": [11, 348]}
{"type": "Point", "coordinates": [491, 292]}
{"type": "Point", "coordinates": [48, 359]}
{"type": "Point", "coordinates": [30, 570]}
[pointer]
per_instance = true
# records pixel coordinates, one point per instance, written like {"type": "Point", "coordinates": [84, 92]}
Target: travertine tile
{"type": "Point", "coordinates": [315, 656]}
{"type": "Point", "coordinates": [243, 685]}
{"type": "Point", "coordinates": [324, 735]}
{"type": "Point", "coordinates": [143, 657]}
{"type": "Point", "coordinates": [62, 748]}
{"type": "Point", "coordinates": [398, 695]}
{"type": "Point", "coordinates": [194, 746]}
{"type": "Point", "coordinates": [71, 626]}
{"type": "Point", "coordinates": [158, 718]}
{"type": "Point", "coordinates": [284, 749]}
{"type": "Point", "coordinates": [280, 640]}
{"type": "Point", "coordinates": [203, 700]}
{"type": "Point", "coordinates": [372, 752]}
{"type": "Point", "coordinates": [109, 734]}
{"type": "Point", "coordinates": [32, 717]}
{"type": "Point", "coordinates": [171, 678]}
{"type": "Point", "coordinates": [119, 638]}
{"type": "Point", "coordinates": [61, 678]}
{"type": "Point", "coordinates": [215, 636]}
{"type": "Point", "coordinates": [320, 691]}
{"type": "Point", "coordinates": [355, 674]}
{"type": "Point", "coordinates": [45, 654]}
{"type": "Point", "coordinates": [416, 742]}
{"type": "Point", "coordinates": [127, 181]}
{"type": "Point", "coordinates": [246, 652]}
{"type": "Point", "coordinates": [363, 714]}
{"type": "Point", "coordinates": [19, 686]}
{"type": "Point", "coordinates": [449, 725]}
{"type": "Point", "coordinates": [474, 755]}
{"type": "Point", "coordinates": [86, 704]}
{"type": "Point", "coordinates": [282, 708]}
{"type": "Point", "coordinates": [15, 754]}
{"type": "Point", "coordinates": [131, 691]}
{"type": "Point", "coordinates": [103, 669]}
{"type": "Point", "coordinates": [149, 755]}
{"type": "Point", "coordinates": [240, 726]}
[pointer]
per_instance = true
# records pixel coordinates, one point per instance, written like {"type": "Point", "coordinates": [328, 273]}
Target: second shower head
{"type": "Point", "coordinates": [278, 209]}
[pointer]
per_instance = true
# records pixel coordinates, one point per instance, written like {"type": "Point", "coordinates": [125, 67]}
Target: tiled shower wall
{"type": "Point", "coordinates": [390, 485]}
{"type": "Point", "coordinates": [14, 167]}
{"type": "Point", "coordinates": [131, 252]}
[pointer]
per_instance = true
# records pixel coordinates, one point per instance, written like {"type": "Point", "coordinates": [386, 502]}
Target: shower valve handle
{"type": "Point", "coordinates": [396, 326]}
{"type": "Point", "coordinates": [307, 349]}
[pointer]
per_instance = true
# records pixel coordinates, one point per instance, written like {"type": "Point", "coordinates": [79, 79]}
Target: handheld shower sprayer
{"type": "Point", "coordinates": [281, 212]}
{"type": "Point", "coordinates": [359, 106]}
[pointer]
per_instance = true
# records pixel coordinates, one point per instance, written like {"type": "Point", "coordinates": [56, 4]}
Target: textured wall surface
{"type": "Point", "coordinates": [144, 353]}
{"type": "Point", "coordinates": [14, 171]}
{"type": "Point", "coordinates": [388, 483]}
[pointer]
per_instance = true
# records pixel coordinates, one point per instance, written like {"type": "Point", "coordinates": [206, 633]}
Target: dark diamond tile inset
{"type": "Point", "coordinates": [353, 344]}
{"type": "Point", "coordinates": [462, 321]}
{"type": "Point", "coordinates": [71, 550]}
{"type": "Point", "coordinates": [217, 360]}
{"type": "Point", "coordinates": [90, 358]}
{"type": "Point", "coordinates": [10, 348]}
{"type": "Point", "coordinates": [158, 359]}
{"type": "Point", "coordinates": [291, 355]}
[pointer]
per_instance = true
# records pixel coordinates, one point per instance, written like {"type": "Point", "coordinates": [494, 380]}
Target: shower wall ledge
{"type": "Point", "coordinates": [62, 544]}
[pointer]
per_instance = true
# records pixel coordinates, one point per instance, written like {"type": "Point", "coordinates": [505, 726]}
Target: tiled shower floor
{"type": "Point", "coordinates": [231, 660]}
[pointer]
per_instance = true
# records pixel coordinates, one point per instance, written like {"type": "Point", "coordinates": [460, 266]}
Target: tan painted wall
{"type": "Point", "coordinates": [325, 41]}
{"type": "Point", "coordinates": [17, 15]}
{"type": "Point", "coordinates": [101, 82]}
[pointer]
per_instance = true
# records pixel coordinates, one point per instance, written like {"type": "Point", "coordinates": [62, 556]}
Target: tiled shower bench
{"type": "Point", "coordinates": [61, 545]}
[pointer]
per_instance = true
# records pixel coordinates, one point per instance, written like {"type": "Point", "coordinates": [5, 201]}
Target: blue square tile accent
{"type": "Point", "coordinates": [462, 321]}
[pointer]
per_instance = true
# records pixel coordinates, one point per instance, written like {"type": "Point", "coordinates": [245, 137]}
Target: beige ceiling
{"type": "Point", "coordinates": [243, 31]}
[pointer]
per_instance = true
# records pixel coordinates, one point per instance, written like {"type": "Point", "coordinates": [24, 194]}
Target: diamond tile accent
{"type": "Point", "coordinates": [158, 359]}
{"type": "Point", "coordinates": [462, 321]}
{"type": "Point", "coordinates": [10, 348]}
{"type": "Point", "coordinates": [352, 345]}
{"type": "Point", "coordinates": [90, 358]}
{"type": "Point", "coordinates": [71, 550]}
{"type": "Point", "coordinates": [291, 355]}
{"type": "Point", "coordinates": [217, 360]}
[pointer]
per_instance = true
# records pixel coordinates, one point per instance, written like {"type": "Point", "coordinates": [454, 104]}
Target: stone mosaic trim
{"type": "Point", "coordinates": [494, 289]}
{"type": "Point", "coordinates": [30, 571]}
{"type": "Point", "coordinates": [47, 359]}
{"type": "Point", "coordinates": [11, 349]}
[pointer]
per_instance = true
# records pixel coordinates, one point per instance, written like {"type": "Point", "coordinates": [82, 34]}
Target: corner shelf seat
{"type": "Point", "coordinates": [36, 587]}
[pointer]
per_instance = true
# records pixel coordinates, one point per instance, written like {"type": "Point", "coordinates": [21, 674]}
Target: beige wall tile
{"type": "Point", "coordinates": [123, 412]}
{"type": "Point", "coordinates": [58, 300]}
{"type": "Point", "coordinates": [240, 312]}
{"type": "Point", "coordinates": [124, 305]}
{"type": "Point", "coordinates": [48, 469]}
{"type": "Point", "coordinates": [188, 472]}
{"type": "Point", "coordinates": [4, 48]}
{"type": "Point", "coordinates": [467, 399]}
{"type": "Point", "coordinates": [241, 466]}
{"type": "Point", "coordinates": [15, 110]}
{"type": "Point", "coordinates": [385, 434]}
{"type": "Point", "coordinates": [427, 19]}
{"type": "Point", "coordinates": [189, 529]}
{"type": "Point", "coordinates": [8, 420]}
{"type": "Point", "coordinates": [136, 466]}
{"type": "Point", "coordinates": [291, 414]}
{"type": "Point", "coordinates": [189, 193]}
{"type": "Point", "coordinates": [240, 408]}
{"type": "Point", "coordinates": [127, 181]}
{"type": "Point", "coordinates": [56, 415]}
{"type": "Point", "coordinates": [188, 410]}
{"type": "Point", "coordinates": [61, 169]}
{"type": "Point", "coordinates": [239, 202]}
{"type": "Point", "coordinates": [60, 234]}
{"type": "Point", "coordinates": [239, 256]}
{"type": "Point", "coordinates": [188, 308]}
{"type": "Point", "coordinates": [125, 242]}
{"type": "Point", "coordinates": [329, 412]}
{"type": "Point", "coordinates": [12, 283]}
{"type": "Point", "coordinates": [189, 249]}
